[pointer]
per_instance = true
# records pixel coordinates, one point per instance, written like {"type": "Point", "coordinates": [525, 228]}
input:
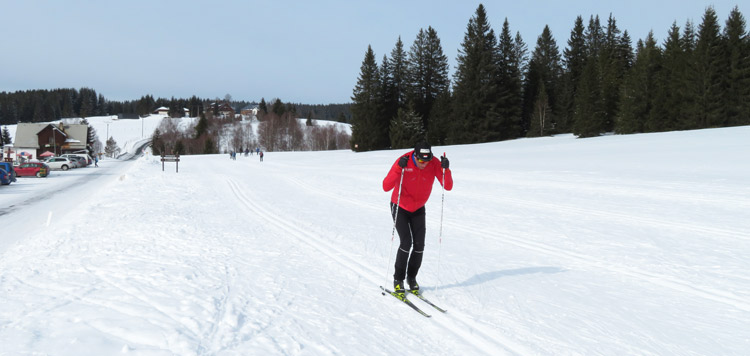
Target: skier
{"type": "Point", "coordinates": [411, 177]}
{"type": "Point", "coordinates": [261, 156]}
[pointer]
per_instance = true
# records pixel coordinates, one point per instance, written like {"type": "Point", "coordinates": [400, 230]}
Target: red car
{"type": "Point", "coordinates": [31, 169]}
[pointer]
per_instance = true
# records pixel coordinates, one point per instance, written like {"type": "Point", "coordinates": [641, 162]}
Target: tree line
{"type": "Point", "coordinates": [44, 105]}
{"type": "Point", "coordinates": [697, 78]}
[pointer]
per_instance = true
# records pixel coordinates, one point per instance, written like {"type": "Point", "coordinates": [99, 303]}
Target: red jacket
{"type": "Point", "coordinates": [417, 183]}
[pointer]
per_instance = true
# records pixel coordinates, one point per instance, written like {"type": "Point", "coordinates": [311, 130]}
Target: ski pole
{"type": "Point", "coordinates": [440, 235]}
{"type": "Point", "coordinates": [393, 232]}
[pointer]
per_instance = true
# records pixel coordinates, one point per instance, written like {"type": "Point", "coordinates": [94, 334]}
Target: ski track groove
{"type": "Point", "coordinates": [482, 338]}
{"type": "Point", "coordinates": [325, 193]}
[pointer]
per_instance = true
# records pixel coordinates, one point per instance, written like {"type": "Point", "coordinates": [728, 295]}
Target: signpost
{"type": "Point", "coordinates": [171, 158]}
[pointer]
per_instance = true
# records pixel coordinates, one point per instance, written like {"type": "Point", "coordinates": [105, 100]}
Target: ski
{"type": "Point", "coordinates": [420, 296]}
{"type": "Point", "coordinates": [406, 301]}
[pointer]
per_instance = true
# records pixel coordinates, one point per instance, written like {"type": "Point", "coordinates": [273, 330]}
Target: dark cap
{"type": "Point", "coordinates": [423, 150]}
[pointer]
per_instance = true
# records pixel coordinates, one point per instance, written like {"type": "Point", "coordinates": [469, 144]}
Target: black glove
{"type": "Point", "coordinates": [444, 162]}
{"type": "Point", "coordinates": [403, 161]}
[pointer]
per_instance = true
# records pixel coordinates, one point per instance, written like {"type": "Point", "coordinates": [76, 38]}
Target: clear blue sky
{"type": "Point", "coordinates": [299, 51]}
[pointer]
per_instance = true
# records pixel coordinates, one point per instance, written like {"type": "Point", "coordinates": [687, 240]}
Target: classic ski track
{"type": "Point", "coordinates": [331, 195]}
{"type": "Point", "coordinates": [482, 337]}
{"type": "Point", "coordinates": [660, 279]}
{"type": "Point", "coordinates": [655, 278]}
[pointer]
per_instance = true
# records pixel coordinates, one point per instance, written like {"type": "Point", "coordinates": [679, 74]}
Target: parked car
{"type": "Point", "coordinates": [80, 161]}
{"type": "Point", "coordinates": [4, 177]}
{"type": "Point", "coordinates": [8, 167]}
{"type": "Point", "coordinates": [31, 169]}
{"type": "Point", "coordinates": [85, 158]}
{"type": "Point", "coordinates": [60, 163]}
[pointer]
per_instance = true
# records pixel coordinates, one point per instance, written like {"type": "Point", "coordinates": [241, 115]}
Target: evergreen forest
{"type": "Point", "coordinates": [52, 105]}
{"type": "Point", "coordinates": [698, 77]}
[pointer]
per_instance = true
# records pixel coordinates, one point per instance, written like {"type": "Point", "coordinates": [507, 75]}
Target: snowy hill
{"type": "Point", "coordinates": [617, 245]}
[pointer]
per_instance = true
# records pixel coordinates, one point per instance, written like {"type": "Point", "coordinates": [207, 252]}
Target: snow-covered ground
{"type": "Point", "coordinates": [617, 245]}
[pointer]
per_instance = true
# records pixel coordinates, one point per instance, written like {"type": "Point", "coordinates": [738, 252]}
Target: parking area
{"type": "Point", "coordinates": [35, 189]}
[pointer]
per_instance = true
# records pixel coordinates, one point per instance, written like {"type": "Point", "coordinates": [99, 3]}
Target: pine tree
{"type": "Point", "coordinates": [652, 67]}
{"type": "Point", "coordinates": [6, 140]}
{"type": "Point", "coordinates": [589, 116]}
{"type": "Point", "coordinates": [589, 113]}
{"type": "Point", "coordinates": [688, 111]}
{"type": "Point", "coordinates": [399, 67]}
{"type": "Point", "coordinates": [595, 37]}
{"type": "Point", "coordinates": [386, 97]}
{"type": "Point", "coordinates": [367, 124]}
{"type": "Point", "coordinates": [575, 61]}
{"type": "Point", "coordinates": [614, 63]}
{"type": "Point", "coordinates": [671, 91]}
{"type": "Point", "coordinates": [428, 71]}
{"type": "Point", "coordinates": [201, 128]}
{"type": "Point", "coordinates": [475, 84]}
{"type": "Point", "coordinates": [510, 99]}
{"type": "Point", "coordinates": [278, 107]}
{"type": "Point", "coordinates": [710, 73]}
{"type": "Point", "coordinates": [545, 71]}
{"type": "Point", "coordinates": [737, 53]}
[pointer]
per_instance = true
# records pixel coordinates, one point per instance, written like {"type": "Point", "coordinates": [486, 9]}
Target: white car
{"type": "Point", "coordinates": [85, 157]}
{"type": "Point", "coordinates": [60, 163]}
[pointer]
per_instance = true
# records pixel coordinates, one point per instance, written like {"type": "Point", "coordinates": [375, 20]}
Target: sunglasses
{"type": "Point", "coordinates": [422, 160]}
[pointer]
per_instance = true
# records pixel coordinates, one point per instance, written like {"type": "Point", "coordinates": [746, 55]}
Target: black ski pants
{"type": "Point", "coordinates": [411, 231]}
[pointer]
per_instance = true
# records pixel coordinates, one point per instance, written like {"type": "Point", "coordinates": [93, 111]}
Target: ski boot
{"type": "Point", "coordinates": [398, 288]}
{"type": "Point", "coordinates": [413, 285]}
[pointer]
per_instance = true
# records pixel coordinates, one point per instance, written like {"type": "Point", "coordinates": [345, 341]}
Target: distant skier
{"type": "Point", "coordinates": [414, 173]}
{"type": "Point", "coordinates": [261, 156]}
